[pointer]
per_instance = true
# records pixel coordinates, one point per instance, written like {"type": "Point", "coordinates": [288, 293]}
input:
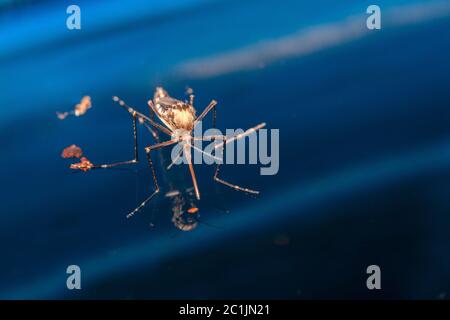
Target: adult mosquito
{"type": "Point", "coordinates": [178, 120]}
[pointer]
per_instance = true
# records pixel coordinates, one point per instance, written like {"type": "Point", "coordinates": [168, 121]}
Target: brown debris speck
{"type": "Point", "coordinates": [83, 165]}
{"type": "Point", "coordinates": [80, 109]}
{"type": "Point", "coordinates": [72, 151]}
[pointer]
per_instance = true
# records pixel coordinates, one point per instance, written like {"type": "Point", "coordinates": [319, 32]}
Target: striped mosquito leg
{"type": "Point", "coordinates": [175, 160]}
{"type": "Point", "coordinates": [141, 116]}
{"type": "Point", "coordinates": [214, 117]}
{"type": "Point", "coordinates": [241, 135]}
{"type": "Point", "coordinates": [187, 151]}
{"type": "Point", "coordinates": [155, 180]}
{"type": "Point", "coordinates": [234, 186]}
{"type": "Point", "coordinates": [203, 152]}
{"type": "Point", "coordinates": [209, 138]}
{"type": "Point", "coordinates": [135, 160]}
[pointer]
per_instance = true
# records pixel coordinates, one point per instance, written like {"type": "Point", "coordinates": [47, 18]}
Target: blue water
{"type": "Point", "coordinates": [364, 151]}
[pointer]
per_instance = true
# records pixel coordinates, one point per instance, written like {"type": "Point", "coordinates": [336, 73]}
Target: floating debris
{"type": "Point", "coordinates": [72, 151]}
{"type": "Point", "coordinates": [75, 151]}
{"type": "Point", "coordinates": [83, 106]}
{"type": "Point", "coordinates": [83, 165]}
{"type": "Point", "coordinates": [62, 115]}
{"type": "Point", "coordinates": [80, 109]}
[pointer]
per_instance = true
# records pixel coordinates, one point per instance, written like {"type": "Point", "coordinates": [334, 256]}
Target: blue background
{"type": "Point", "coordinates": [364, 119]}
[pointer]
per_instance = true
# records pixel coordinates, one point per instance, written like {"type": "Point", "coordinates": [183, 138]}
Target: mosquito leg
{"type": "Point", "coordinates": [234, 186]}
{"type": "Point", "coordinates": [187, 151]}
{"type": "Point", "coordinates": [209, 138]}
{"type": "Point", "coordinates": [155, 181]}
{"type": "Point", "coordinates": [226, 140]}
{"type": "Point", "coordinates": [175, 160]}
{"type": "Point", "coordinates": [239, 136]}
{"type": "Point", "coordinates": [142, 116]}
{"type": "Point", "coordinates": [192, 146]}
{"type": "Point", "coordinates": [135, 160]}
{"type": "Point", "coordinates": [152, 112]}
{"type": "Point", "coordinates": [203, 152]}
{"type": "Point", "coordinates": [211, 105]}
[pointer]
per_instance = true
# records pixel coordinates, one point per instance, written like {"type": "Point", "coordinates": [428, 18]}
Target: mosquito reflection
{"type": "Point", "coordinates": [185, 213]}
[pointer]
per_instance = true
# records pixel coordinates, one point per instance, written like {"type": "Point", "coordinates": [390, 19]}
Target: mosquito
{"type": "Point", "coordinates": [177, 116]}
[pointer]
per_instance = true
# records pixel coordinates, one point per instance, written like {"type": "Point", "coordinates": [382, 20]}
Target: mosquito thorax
{"type": "Point", "coordinates": [174, 113]}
